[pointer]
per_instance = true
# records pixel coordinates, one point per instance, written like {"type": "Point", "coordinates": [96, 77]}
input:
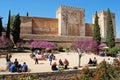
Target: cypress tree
{"type": "Point", "coordinates": [8, 26]}
{"type": "Point", "coordinates": [1, 27]}
{"type": "Point", "coordinates": [110, 38]}
{"type": "Point", "coordinates": [16, 29]}
{"type": "Point", "coordinates": [96, 33]}
{"type": "Point", "coordinates": [27, 14]}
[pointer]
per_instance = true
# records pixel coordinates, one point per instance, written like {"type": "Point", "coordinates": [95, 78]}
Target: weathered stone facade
{"type": "Point", "coordinates": [71, 21]}
{"type": "Point", "coordinates": [88, 29]}
{"type": "Point", "coordinates": [103, 22]}
{"type": "Point", "coordinates": [40, 26]}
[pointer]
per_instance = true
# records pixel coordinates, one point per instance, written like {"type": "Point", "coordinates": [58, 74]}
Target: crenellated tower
{"type": "Point", "coordinates": [71, 21]}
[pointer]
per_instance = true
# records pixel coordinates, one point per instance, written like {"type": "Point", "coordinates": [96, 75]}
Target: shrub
{"type": "Point", "coordinates": [60, 49]}
{"type": "Point", "coordinates": [112, 51]}
{"type": "Point", "coordinates": [5, 43]}
{"type": "Point", "coordinates": [103, 71]}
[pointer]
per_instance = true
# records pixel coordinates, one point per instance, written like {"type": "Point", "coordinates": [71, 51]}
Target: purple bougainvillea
{"type": "Point", "coordinates": [42, 44]}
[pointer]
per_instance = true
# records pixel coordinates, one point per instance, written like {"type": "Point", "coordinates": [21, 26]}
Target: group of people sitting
{"type": "Point", "coordinates": [62, 65]}
{"type": "Point", "coordinates": [37, 55]}
{"type": "Point", "coordinates": [15, 66]}
{"type": "Point", "coordinates": [92, 62]}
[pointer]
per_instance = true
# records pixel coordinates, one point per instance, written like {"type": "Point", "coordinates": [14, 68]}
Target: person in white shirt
{"type": "Point", "coordinates": [109, 61]}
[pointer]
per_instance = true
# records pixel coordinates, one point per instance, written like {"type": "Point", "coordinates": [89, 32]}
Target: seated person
{"type": "Point", "coordinates": [54, 66]}
{"type": "Point", "coordinates": [66, 63]}
{"type": "Point", "coordinates": [19, 68]}
{"type": "Point", "coordinates": [24, 67]}
{"type": "Point", "coordinates": [12, 68]}
{"type": "Point", "coordinates": [9, 63]}
{"type": "Point", "coordinates": [90, 61]}
{"type": "Point", "coordinates": [66, 66]}
{"type": "Point", "coordinates": [61, 63]}
{"type": "Point", "coordinates": [95, 61]}
{"type": "Point", "coordinates": [16, 64]}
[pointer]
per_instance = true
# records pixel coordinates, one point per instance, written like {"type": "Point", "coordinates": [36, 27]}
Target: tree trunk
{"type": "Point", "coordinates": [79, 60]}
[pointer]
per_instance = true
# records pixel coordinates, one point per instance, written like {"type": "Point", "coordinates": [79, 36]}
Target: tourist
{"type": "Point", "coordinates": [36, 58]}
{"type": "Point", "coordinates": [8, 57]}
{"type": "Point", "coordinates": [90, 61]}
{"type": "Point", "coordinates": [16, 64]}
{"type": "Point", "coordinates": [12, 68]}
{"type": "Point", "coordinates": [19, 68]}
{"type": "Point", "coordinates": [55, 67]}
{"type": "Point", "coordinates": [102, 53]}
{"type": "Point", "coordinates": [24, 67]}
{"type": "Point", "coordinates": [94, 61]}
{"type": "Point", "coordinates": [60, 62]}
{"type": "Point", "coordinates": [105, 53]}
{"type": "Point", "coordinates": [51, 58]}
{"type": "Point", "coordinates": [9, 63]}
{"type": "Point", "coordinates": [109, 61]}
{"type": "Point", "coordinates": [66, 63]}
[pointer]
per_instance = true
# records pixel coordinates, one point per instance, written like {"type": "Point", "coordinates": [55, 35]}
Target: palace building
{"type": "Point", "coordinates": [69, 25]}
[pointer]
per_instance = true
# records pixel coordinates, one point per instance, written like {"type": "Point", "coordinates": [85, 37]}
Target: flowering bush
{"type": "Point", "coordinates": [43, 45]}
{"type": "Point", "coordinates": [103, 71]}
{"type": "Point", "coordinates": [5, 43]}
{"type": "Point", "coordinates": [86, 45]}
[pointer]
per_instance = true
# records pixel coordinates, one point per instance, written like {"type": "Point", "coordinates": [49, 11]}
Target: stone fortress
{"type": "Point", "coordinates": [69, 25]}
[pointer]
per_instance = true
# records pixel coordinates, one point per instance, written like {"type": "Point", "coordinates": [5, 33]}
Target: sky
{"type": "Point", "coordinates": [47, 8]}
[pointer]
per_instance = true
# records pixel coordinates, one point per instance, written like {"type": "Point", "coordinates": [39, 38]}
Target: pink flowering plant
{"type": "Point", "coordinates": [42, 44]}
{"type": "Point", "coordinates": [84, 46]}
{"type": "Point", "coordinates": [5, 43]}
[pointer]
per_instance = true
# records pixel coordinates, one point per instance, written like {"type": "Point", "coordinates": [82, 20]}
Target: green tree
{"type": "Point", "coordinates": [16, 29]}
{"type": "Point", "coordinates": [8, 26]}
{"type": "Point", "coordinates": [27, 14]}
{"type": "Point", "coordinates": [1, 27]}
{"type": "Point", "coordinates": [110, 38]}
{"type": "Point", "coordinates": [96, 34]}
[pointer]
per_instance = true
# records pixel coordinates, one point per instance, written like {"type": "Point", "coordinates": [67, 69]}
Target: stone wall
{"type": "Point", "coordinates": [26, 25]}
{"type": "Point", "coordinates": [61, 41]}
{"type": "Point", "coordinates": [37, 25]}
{"type": "Point", "coordinates": [65, 75]}
{"type": "Point", "coordinates": [89, 29]}
{"type": "Point", "coordinates": [45, 26]}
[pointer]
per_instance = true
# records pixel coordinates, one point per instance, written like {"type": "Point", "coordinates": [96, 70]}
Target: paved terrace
{"type": "Point", "coordinates": [44, 66]}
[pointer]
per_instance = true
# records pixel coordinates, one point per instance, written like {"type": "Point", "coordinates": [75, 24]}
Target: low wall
{"type": "Point", "coordinates": [65, 75]}
{"type": "Point", "coordinates": [60, 41]}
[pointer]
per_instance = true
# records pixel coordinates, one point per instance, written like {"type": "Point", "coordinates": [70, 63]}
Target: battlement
{"type": "Point", "coordinates": [62, 7]}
